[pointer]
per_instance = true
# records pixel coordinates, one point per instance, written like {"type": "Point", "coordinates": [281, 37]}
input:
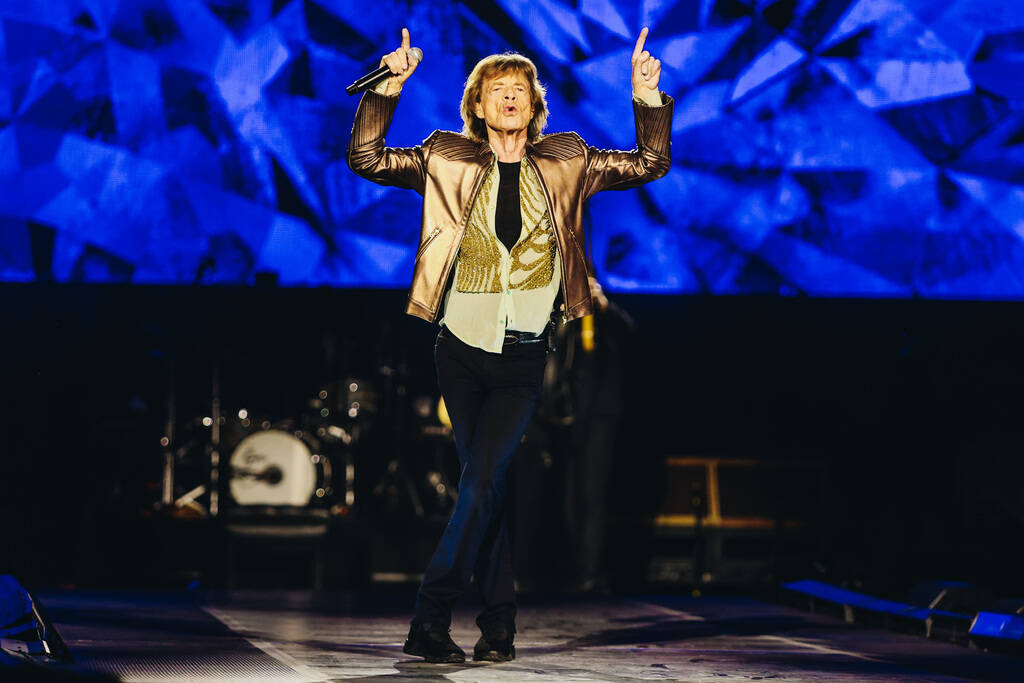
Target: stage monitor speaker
{"type": "Point", "coordinates": [25, 630]}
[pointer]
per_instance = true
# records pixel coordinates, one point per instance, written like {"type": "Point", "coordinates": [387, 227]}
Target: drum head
{"type": "Point", "coordinates": [272, 468]}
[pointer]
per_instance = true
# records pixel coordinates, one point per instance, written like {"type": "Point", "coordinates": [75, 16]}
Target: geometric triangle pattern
{"type": "Point", "coordinates": [868, 148]}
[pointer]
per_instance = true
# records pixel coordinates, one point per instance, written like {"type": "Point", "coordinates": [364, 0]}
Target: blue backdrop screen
{"type": "Point", "coordinates": [827, 147]}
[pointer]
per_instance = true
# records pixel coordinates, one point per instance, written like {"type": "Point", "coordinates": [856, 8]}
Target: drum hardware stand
{"type": "Point", "coordinates": [334, 388]}
{"type": "Point", "coordinates": [396, 471]}
{"type": "Point", "coordinates": [215, 443]}
{"type": "Point", "coordinates": [347, 438]}
{"type": "Point", "coordinates": [167, 498]}
{"type": "Point", "coordinates": [167, 489]}
{"type": "Point", "coordinates": [191, 497]}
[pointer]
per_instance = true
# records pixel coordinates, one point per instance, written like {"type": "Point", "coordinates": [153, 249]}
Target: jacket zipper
{"type": "Point", "coordinates": [430, 238]}
{"type": "Point", "coordinates": [561, 247]}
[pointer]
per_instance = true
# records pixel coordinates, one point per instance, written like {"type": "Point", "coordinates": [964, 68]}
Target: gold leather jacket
{"type": "Point", "coordinates": [448, 169]}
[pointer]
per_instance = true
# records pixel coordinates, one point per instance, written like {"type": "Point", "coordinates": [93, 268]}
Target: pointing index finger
{"type": "Point", "coordinates": [639, 47]}
{"type": "Point", "coordinates": [405, 38]}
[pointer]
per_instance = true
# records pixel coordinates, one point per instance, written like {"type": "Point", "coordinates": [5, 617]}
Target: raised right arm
{"type": "Point", "coordinates": [370, 158]}
{"type": "Point", "coordinates": [367, 156]}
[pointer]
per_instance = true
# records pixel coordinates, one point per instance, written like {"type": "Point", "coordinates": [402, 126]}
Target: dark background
{"type": "Point", "coordinates": [911, 407]}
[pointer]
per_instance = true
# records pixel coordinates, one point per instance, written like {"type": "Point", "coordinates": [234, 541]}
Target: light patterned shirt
{"type": "Point", "coordinates": [495, 290]}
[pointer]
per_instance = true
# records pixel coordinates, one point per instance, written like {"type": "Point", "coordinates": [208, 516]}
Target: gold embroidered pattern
{"type": "Point", "coordinates": [533, 257]}
{"type": "Point", "coordinates": [479, 267]}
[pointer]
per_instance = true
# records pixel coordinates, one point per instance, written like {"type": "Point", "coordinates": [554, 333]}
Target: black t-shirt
{"type": "Point", "coordinates": [508, 216]}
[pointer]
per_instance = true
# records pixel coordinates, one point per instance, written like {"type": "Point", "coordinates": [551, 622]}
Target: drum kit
{"type": "Point", "coordinates": [249, 463]}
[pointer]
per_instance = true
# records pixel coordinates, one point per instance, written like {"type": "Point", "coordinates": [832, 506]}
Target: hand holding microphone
{"type": "Point", "coordinates": [400, 64]}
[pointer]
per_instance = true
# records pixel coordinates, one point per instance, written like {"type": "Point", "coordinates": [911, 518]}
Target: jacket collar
{"type": "Point", "coordinates": [484, 149]}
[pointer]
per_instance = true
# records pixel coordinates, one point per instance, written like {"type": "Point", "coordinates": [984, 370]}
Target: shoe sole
{"type": "Point", "coordinates": [451, 658]}
{"type": "Point", "coordinates": [493, 656]}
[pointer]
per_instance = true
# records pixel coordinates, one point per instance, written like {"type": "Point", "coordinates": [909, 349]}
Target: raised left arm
{"type": "Point", "coordinates": [652, 110]}
{"type": "Point", "coordinates": [646, 73]}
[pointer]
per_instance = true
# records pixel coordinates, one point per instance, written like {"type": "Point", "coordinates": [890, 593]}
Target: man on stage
{"type": "Point", "coordinates": [501, 247]}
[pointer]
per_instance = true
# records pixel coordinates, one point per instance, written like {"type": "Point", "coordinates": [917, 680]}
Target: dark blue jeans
{"type": "Point", "coordinates": [490, 399]}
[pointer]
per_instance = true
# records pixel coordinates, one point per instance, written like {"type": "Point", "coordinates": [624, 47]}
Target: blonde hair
{"type": "Point", "coordinates": [474, 128]}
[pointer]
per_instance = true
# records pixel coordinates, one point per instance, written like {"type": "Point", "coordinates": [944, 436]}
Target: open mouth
{"type": "Point", "coordinates": [511, 109]}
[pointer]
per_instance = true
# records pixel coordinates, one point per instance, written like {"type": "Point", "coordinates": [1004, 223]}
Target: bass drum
{"type": "Point", "coordinates": [274, 467]}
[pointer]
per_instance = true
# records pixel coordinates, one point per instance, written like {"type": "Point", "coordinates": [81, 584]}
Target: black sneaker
{"type": "Point", "coordinates": [495, 645]}
{"type": "Point", "coordinates": [434, 644]}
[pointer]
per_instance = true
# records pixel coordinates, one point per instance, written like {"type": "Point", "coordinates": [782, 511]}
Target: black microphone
{"type": "Point", "coordinates": [380, 73]}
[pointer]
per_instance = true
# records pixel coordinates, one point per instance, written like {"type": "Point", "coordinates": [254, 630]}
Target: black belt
{"type": "Point", "coordinates": [513, 337]}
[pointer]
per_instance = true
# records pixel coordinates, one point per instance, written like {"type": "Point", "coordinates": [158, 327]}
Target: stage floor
{"type": "Point", "coordinates": [299, 636]}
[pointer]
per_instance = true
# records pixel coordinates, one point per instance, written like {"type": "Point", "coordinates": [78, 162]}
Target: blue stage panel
{"type": "Point", "coordinates": [824, 147]}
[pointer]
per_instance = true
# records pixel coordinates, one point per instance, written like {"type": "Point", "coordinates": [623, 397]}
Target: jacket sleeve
{"type": "Point", "coordinates": [368, 157]}
{"type": "Point", "coordinates": [617, 170]}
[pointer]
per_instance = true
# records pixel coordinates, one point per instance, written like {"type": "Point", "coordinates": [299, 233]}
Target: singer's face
{"type": "Point", "coordinates": [505, 102]}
